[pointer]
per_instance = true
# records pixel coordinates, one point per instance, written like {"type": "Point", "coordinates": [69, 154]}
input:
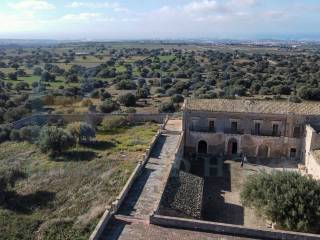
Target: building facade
{"type": "Point", "coordinates": [264, 129]}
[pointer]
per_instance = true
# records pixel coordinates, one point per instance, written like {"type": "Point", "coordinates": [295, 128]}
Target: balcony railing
{"type": "Point", "coordinates": [233, 131]}
{"type": "Point", "coordinates": [266, 133]}
{"type": "Point", "coordinates": [236, 131]}
{"type": "Point", "coordinates": [202, 129]}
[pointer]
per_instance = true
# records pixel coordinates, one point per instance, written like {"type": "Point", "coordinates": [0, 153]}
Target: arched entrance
{"type": "Point", "coordinates": [263, 151]}
{"type": "Point", "coordinates": [232, 147]}
{"type": "Point", "coordinates": [202, 147]}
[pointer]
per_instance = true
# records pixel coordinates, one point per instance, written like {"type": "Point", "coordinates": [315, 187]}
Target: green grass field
{"type": "Point", "coordinates": [64, 198]}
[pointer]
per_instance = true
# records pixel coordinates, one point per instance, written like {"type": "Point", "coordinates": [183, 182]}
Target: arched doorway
{"type": "Point", "coordinates": [202, 147]}
{"type": "Point", "coordinates": [232, 147]}
{"type": "Point", "coordinates": [263, 151]}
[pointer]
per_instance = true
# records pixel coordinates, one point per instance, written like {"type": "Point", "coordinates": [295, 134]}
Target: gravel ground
{"type": "Point", "coordinates": [183, 196]}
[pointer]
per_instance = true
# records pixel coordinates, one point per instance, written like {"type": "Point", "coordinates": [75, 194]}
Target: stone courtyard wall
{"type": "Point", "coordinates": [41, 119]}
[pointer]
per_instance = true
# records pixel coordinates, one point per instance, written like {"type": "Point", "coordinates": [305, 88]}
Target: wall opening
{"type": "Point", "coordinates": [263, 151]}
{"type": "Point", "coordinates": [232, 147]}
{"type": "Point", "coordinates": [202, 147]}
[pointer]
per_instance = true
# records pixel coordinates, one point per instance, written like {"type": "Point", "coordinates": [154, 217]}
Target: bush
{"type": "Point", "coordinates": [142, 93]}
{"type": "Point", "coordinates": [87, 132]}
{"type": "Point", "coordinates": [104, 95]}
{"type": "Point", "coordinates": [15, 135]}
{"type": "Point", "coordinates": [30, 133]}
{"type": "Point", "coordinates": [129, 100]}
{"type": "Point", "coordinates": [168, 107]}
{"type": "Point", "coordinates": [177, 98]}
{"type": "Point", "coordinates": [113, 122]}
{"type": "Point", "coordinates": [54, 140]}
{"type": "Point", "coordinates": [126, 85]}
{"type": "Point", "coordinates": [108, 106]}
{"type": "Point", "coordinates": [286, 198]}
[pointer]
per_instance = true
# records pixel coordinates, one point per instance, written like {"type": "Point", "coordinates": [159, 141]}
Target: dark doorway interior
{"type": "Point", "coordinates": [232, 147]}
{"type": "Point", "coordinates": [202, 147]}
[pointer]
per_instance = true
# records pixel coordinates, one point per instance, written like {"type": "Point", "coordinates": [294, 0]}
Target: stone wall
{"type": "Point", "coordinates": [41, 119]}
{"type": "Point", "coordinates": [235, 230]}
{"type": "Point", "coordinates": [196, 125]}
{"type": "Point", "coordinates": [311, 155]}
{"type": "Point", "coordinates": [248, 144]}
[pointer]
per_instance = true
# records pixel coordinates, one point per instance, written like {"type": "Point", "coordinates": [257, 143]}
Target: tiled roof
{"type": "Point", "coordinates": [253, 106]}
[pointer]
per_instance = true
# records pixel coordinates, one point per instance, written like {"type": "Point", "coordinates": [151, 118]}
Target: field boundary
{"type": "Point", "coordinates": [41, 119]}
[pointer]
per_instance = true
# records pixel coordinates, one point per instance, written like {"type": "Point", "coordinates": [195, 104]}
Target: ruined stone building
{"type": "Point", "coordinates": [255, 128]}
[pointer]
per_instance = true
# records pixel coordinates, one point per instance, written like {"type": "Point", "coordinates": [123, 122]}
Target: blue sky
{"type": "Point", "coordinates": [159, 19]}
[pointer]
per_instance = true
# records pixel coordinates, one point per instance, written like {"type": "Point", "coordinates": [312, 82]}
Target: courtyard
{"type": "Point", "coordinates": [223, 185]}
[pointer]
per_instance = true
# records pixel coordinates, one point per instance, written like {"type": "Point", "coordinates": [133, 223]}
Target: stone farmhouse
{"type": "Point", "coordinates": [255, 128]}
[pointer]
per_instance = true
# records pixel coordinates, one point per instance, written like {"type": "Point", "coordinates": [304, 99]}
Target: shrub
{"type": "Point", "coordinates": [36, 104]}
{"type": "Point", "coordinates": [128, 99]}
{"type": "Point", "coordinates": [177, 98]}
{"type": "Point", "coordinates": [87, 132]}
{"type": "Point", "coordinates": [4, 134]}
{"type": "Point", "coordinates": [142, 93]}
{"type": "Point", "coordinates": [54, 140]}
{"type": "Point", "coordinates": [29, 133]}
{"type": "Point", "coordinates": [108, 106]}
{"type": "Point", "coordinates": [286, 198]}
{"type": "Point", "coordinates": [167, 107]}
{"type": "Point", "coordinates": [113, 122]}
{"type": "Point", "coordinates": [14, 135]}
{"type": "Point", "coordinates": [104, 95]}
{"type": "Point", "coordinates": [126, 85]}
{"type": "Point", "coordinates": [81, 131]}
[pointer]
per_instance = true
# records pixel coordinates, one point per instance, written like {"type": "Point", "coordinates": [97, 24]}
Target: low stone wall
{"type": "Point", "coordinates": [112, 210]}
{"type": "Point", "coordinates": [237, 230]}
{"type": "Point", "coordinates": [41, 119]}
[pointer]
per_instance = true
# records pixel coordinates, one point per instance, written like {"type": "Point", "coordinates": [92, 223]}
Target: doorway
{"type": "Point", "coordinates": [202, 147]}
{"type": "Point", "coordinates": [232, 147]}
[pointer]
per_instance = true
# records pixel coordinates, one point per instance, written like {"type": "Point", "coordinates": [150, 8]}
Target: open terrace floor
{"type": "Point", "coordinates": [221, 195]}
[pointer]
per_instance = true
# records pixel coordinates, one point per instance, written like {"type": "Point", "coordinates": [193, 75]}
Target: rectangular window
{"type": "Point", "coordinates": [275, 129]}
{"type": "Point", "coordinates": [257, 128]}
{"type": "Point", "coordinates": [211, 126]}
{"type": "Point", "coordinates": [296, 132]}
{"type": "Point", "coordinates": [194, 124]}
{"type": "Point", "coordinates": [293, 153]}
{"type": "Point", "coordinates": [234, 126]}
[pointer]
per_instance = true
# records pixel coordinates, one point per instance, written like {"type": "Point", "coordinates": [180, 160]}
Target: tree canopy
{"type": "Point", "coordinates": [290, 200]}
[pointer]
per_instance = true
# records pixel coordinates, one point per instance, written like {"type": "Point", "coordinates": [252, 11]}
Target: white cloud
{"type": "Point", "coordinates": [97, 5]}
{"type": "Point", "coordinates": [243, 2]}
{"type": "Point", "coordinates": [32, 5]}
{"type": "Point", "coordinates": [86, 17]}
{"type": "Point", "coordinates": [201, 6]}
{"type": "Point", "coordinates": [19, 22]}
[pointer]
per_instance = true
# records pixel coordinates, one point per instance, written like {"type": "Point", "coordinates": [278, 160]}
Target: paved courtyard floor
{"type": "Point", "coordinates": [222, 194]}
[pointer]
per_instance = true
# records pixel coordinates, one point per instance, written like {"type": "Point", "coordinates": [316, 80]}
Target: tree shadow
{"type": "Point", "coordinates": [27, 203]}
{"type": "Point", "coordinates": [21, 203]}
{"type": "Point", "coordinates": [99, 145]}
{"type": "Point", "coordinates": [214, 206]}
{"type": "Point", "coordinates": [75, 156]}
